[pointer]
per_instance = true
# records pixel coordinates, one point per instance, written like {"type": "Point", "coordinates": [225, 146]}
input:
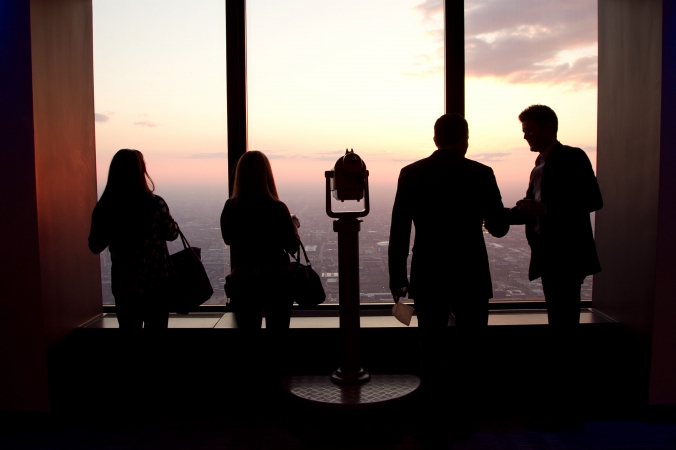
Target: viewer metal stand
{"type": "Point", "coordinates": [350, 385]}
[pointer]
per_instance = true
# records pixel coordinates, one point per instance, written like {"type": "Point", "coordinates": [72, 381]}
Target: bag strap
{"type": "Point", "coordinates": [297, 258]}
{"type": "Point", "coordinates": [184, 240]}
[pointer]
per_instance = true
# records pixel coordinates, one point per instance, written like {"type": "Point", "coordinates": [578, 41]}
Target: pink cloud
{"type": "Point", "coordinates": [522, 42]}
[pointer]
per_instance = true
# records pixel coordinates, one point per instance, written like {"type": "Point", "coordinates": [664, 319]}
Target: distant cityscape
{"type": "Point", "coordinates": [198, 215]}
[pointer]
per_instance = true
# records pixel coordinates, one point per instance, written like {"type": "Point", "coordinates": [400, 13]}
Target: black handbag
{"type": "Point", "coordinates": [189, 285]}
{"type": "Point", "coordinates": [305, 285]}
{"type": "Point", "coordinates": [239, 283]}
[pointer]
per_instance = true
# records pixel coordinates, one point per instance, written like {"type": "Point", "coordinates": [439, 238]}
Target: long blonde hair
{"type": "Point", "coordinates": [253, 178]}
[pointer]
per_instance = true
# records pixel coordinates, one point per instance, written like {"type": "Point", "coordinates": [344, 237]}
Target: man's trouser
{"type": "Point", "coordinates": [562, 295]}
{"type": "Point", "coordinates": [458, 382]}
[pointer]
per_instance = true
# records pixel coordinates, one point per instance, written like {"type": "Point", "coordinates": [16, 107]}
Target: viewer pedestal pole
{"type": "Point", "coordinates": [350, 370]}
{"type": "Point", "coordinates": [350, 386]}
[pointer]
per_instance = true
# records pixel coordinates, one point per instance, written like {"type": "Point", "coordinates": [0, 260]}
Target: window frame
{"type": "Point", "coordinates": [237, 121]}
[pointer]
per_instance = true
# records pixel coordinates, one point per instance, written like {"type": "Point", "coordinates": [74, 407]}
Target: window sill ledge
{"type": "Point", "coordinates": [498, 318]}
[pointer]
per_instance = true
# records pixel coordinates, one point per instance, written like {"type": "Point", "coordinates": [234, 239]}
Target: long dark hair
{"type": "Point", "coordinates": [127, 192]}
{"type": "Point", "coordinates": [128, 179]}
{"type": "Point", "coordinates": [254, 179]}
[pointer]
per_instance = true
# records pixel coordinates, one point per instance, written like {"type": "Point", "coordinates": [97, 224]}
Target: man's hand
{"type": "Point", "coordinates": [399, 293]}
{"type": "Point", "coordinates": [529, 207]}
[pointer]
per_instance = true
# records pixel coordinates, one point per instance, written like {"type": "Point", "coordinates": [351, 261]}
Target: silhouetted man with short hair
{"type": "Point", "coordinates": [448, 198]}
{"type": "Point", "coordinates": [562, 193]}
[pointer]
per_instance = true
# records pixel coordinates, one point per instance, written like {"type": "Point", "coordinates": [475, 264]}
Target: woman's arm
{"type": "Point", "coordinates": [98, 235]}
{"type": "Point", "coordinates": [289, 232]}
{"type": "Point", "coordinates": [168, 227]}
{"type": "Point", "coordinates": [227, 222]}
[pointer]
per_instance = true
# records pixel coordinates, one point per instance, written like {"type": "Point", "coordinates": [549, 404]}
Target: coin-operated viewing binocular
{"type": "Point", "coordinates": [348, 181]}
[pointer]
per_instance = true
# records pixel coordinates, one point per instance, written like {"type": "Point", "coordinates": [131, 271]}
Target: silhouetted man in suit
{"type": "Point", "coordinates": [562, 193]}
{"type": "Point", "coordinates": [448, 198]}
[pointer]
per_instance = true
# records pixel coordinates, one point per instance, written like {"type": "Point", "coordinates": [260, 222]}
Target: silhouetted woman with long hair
{"type": "Point", "coordinates": [135, 224]}
{"type": "Point", "coordinates": [259, 230]}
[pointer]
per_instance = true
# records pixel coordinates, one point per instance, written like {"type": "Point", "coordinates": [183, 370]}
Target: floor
{"type": "Point", "coordinates": [256, 432]}
{"type": "Point", "coordinates": [236, 418]}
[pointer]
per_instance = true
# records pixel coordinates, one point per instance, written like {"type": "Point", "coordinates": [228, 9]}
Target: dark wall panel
{"type": "Point", "coordinates": [629, 108]}
{"type": "Point", "coordinates": [635, 231]}
{"type": "Point", "coordinates": [23, 377]}
{"type": "Point", "coordinates": [49, 281]}
{"type": "Point", "coordinates": [63, 99]}
{"type": "Point", "coordinates": [663, 369]}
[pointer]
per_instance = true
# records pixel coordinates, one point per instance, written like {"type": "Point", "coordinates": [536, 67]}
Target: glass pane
{"type": "Point", "coordinates": [324, 76]}
{"type": "Point", "coordinates": [160, 87]}
{"type": "Point", "coordinates": [519, 53]}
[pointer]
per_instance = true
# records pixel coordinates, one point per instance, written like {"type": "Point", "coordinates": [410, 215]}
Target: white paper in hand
{"type": "Point", "coordinates": [403, 313]}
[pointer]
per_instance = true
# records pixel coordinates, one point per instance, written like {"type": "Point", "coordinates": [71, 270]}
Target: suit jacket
{"type": "Point", "coordinates": [447, 197]}
{"type": "Point", "coordinates": [565, 245]}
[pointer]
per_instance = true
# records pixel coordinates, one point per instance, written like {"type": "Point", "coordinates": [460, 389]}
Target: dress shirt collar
{"type": "Point", "coordinates": [542, 157]}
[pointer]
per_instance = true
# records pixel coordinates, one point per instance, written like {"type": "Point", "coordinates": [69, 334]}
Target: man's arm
{"type": "Point", "coordinates": [400, 238]}
{"type": "Point", "coordinates": [495, 218]}
{"type": "Point", "coordinates": [514, 216]}
{"type": "Point", "coordinates": [581, 194]}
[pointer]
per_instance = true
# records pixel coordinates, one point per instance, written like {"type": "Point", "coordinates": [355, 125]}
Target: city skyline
{"type": "Point", "coordinates": [198, 214]}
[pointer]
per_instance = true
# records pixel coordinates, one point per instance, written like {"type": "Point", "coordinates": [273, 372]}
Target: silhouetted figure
{"type": "Point", "coordinates": [448, 198]}
{"type": "Point", "coordinates": [562, 193]}
{"type": "Point", "coordinates": [259, 230]}
{"type": "Point", "coordinates": [135, 224]}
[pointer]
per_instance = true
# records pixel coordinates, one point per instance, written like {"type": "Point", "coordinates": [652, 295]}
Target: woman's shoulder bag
{"type": "Point", "coordinates": [189, 285]}
{"type": "Point", "coordinates": [305, 285]}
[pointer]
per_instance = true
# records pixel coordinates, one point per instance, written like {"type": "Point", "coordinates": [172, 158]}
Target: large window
{"type": "Point", "coordinates": [519, 53]}
{"type": "Point", "coordinates": [160, 87]}
{"type": "Point", "coordinates": [325, 76]}
{"type": "Point", "coordinates": [368, 74]}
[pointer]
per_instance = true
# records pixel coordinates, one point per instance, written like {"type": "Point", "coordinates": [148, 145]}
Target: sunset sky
{"type": "Point", "coordinates": [326, 75]}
